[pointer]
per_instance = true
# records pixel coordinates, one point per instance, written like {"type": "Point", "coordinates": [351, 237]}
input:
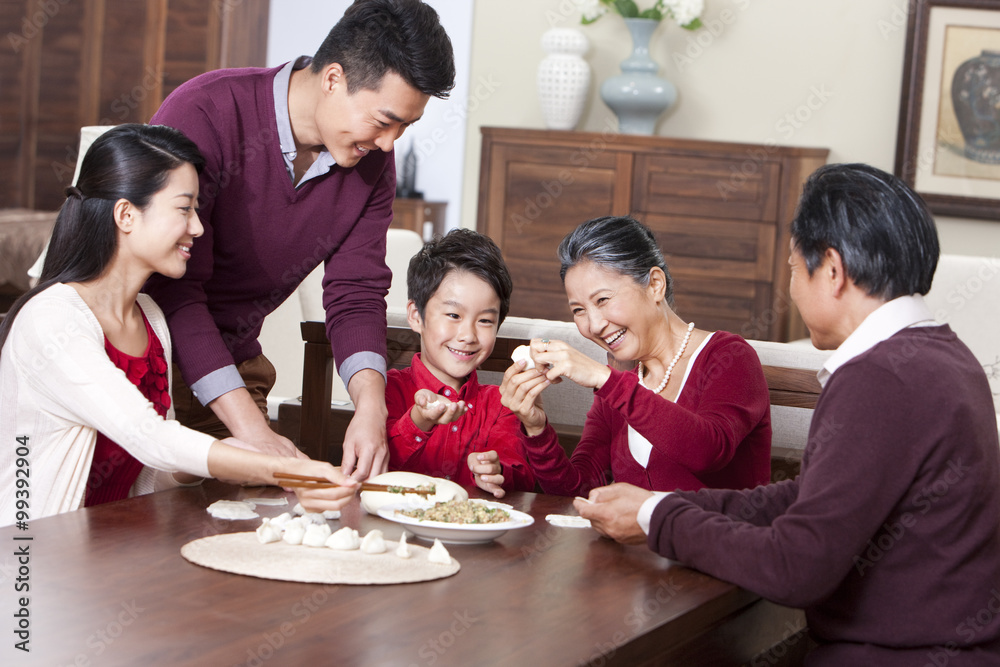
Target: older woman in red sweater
{"type": "Point", "coordinates": [890, 536]}
{"type": "Point", "coordinates": [693, 414]}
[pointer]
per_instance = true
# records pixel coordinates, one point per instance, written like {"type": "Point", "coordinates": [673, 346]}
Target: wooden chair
{"type": "Point", "coordinates": [320, 427]}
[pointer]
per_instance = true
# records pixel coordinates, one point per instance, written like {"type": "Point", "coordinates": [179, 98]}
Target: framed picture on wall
{"type": "Point", "coordinates": [948, 146]}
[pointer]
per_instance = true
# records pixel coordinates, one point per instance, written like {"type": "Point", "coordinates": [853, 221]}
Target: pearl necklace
{"type": "Point", "coordinates": [670, 367]}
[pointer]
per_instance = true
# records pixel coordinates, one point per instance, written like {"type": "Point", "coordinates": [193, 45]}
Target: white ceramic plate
{"type": "Point", "coordinates": [455, 533]}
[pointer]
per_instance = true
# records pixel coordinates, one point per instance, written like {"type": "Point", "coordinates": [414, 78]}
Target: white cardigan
{"type": "Point", "coordinates": [58, 388]}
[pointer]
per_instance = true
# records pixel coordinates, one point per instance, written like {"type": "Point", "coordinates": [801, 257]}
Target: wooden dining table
{"type": "Point", "coordinates": [108, 586]}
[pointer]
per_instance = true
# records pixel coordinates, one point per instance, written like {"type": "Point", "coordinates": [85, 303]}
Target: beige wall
{"type": "Point", "coordinates": [796, 72]}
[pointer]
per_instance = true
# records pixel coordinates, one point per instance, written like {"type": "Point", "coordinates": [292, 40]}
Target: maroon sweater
{"type": "Point", "coordinates": [717, 434]}
{"type": "Point", "coordinates": [263, 236]}
{"type": "Point", "coordinates": [890, 536]}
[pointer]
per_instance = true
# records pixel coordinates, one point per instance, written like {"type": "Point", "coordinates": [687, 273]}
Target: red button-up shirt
{"type": "Point", "coordinates": [443, 451]}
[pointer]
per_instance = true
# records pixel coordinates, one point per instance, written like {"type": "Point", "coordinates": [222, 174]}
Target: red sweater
{"type": "Point", "coordinates": [263, 236]}
{"type": "Point", "coordinates": [717, 434]}
{"type": "Point", "coordinates": [443, 451]}
{"type": "Point", "coordinates": [890, 536]}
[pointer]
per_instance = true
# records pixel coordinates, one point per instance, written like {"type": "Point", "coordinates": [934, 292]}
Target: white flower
{"type": "Point", "coordinates": [591, 10]}
{"type": "Point", "coordinates": [685, 11]}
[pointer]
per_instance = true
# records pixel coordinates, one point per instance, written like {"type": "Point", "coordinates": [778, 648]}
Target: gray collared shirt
{"type": "Point", "coordinates": [324, 162]}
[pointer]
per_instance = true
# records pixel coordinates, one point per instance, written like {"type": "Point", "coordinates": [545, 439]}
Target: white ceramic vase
{"type": "Point", "coordinates": [563, 78]}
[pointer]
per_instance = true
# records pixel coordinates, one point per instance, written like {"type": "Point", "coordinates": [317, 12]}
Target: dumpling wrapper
{"type": "Point", "coordinates": [281, 520]}
{"type": "Point", "coordinates": [438, 554]}
{"type": "Point", "coordinates": [268, 501]}
{"type": "Point", "coordinates": [266, 533]}
{"type": "Point", "coordinates": [444, 490]}
{"type": "Point", "coordinates": [523, 353]}
{"type": "Point", "coordinates": [234, 510]}
{"type": "Point", "coordinates": [316, 535]}
{"type": "Point", "coordinates": [373, 543]}
{"type": "Point", "coordinates": [345, 539]}
{"type": "Point", "coordinates": [314, 516]}
{"type": "Point", "coordinates": [403, 550]}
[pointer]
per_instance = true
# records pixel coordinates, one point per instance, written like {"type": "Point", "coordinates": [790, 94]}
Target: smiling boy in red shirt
{"type": "Point", "coordinates": [442, 422]}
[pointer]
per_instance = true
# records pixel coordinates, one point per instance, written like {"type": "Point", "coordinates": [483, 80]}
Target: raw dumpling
{"type": "Point", "coordinates": [280, 520]}
{"type": "Point", "coordinates": [315, 518]}
{"type": "Point", "coordinates": [373, 543]}
{"type": "Point", "coordinates": [295, 530]}
{"type": "Point", "coordinates": [403, 550]}
{"type": "Point", "coordinates": [316, 535]}
{"type": "Point", "coordinates": [345, 539]}
{"type": "Point", "coordinates": [438, 554]}
{"type": "Point", "coordinates": [267, 533]}
{"type": "Point", "coordinates": [523, 352]}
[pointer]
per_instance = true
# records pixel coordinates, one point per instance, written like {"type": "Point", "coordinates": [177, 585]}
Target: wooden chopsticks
{"type": "Point", "coordinates": [307, 482]}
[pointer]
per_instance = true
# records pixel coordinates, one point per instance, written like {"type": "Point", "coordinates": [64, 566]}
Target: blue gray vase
{"type": "Point", "coordinates": [637, 95]}
{"type": "Point", "coordinates": [975, 94]}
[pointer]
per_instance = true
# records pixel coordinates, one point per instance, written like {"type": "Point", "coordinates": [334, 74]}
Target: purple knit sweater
{"type": "Point", "coordinates": [263, 236]}
{"type": "Point", "coordinates": [890, 537]}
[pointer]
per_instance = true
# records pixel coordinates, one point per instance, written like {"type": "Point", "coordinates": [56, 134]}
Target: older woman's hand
{"type": "Point", "coordinates": [558, 359]}
{"type": "Point", "coordinates": [520, 392]}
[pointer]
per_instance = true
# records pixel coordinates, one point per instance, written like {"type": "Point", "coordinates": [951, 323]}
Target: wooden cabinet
{"type": "Point", "coordinates": [720, 212]}
{"type": "Point", "coordinates": [102, 62]}
{"type": "Point", "coordinates": [413, 213]}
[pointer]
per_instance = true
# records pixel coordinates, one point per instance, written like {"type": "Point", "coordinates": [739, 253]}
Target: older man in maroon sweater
{"type": "Point", "coordinates": [299, 171]}
{"type": "Point", "coordinates": [890, 536]}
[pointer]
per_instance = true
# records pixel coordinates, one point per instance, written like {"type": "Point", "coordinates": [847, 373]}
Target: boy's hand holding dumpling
{"type": "Point", "coordinates": [430, 409]}
{"type": "Point", "coordinates": [488, 472]}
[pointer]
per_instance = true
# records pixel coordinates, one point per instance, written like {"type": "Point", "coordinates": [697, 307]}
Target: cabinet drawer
{"type": "Point", "coordinates": [728, 249]}
{"type": "Point", "coordinates": [727, 188]}
{"type": "Point", "coordinates": [729, 305]}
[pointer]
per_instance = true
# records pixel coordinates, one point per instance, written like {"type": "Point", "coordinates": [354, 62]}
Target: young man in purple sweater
{"type": "Point", "coordinates": [890, 536]}
{"type": "Point", "coordinates": [299, 171]}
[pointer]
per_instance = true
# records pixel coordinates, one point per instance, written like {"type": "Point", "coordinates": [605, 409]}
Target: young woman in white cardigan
{"type": "Point", "coordinates": [84, 377]}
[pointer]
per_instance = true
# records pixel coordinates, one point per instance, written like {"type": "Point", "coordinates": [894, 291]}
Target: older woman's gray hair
{"type": "Point", "coordinates": [617, 243]}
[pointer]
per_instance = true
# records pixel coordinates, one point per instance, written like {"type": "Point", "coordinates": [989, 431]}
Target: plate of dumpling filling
{"type": "Point", "coordinates": [456, 521]}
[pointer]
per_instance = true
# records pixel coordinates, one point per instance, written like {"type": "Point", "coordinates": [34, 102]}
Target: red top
{"type": "Point", "coordinates": [113, 470]}
{"type": "Point", "coordinates": [717, 434]}
{"type": "Point", "coordinates": [443, 451]}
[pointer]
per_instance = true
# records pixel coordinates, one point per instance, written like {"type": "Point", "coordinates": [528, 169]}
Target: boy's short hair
{"type": "Point", "coordinates": [459, 250]}
{"type": "Point", "coordinates": [882, 229]}
{"type": "Point", "coordinates": [403, 36]}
